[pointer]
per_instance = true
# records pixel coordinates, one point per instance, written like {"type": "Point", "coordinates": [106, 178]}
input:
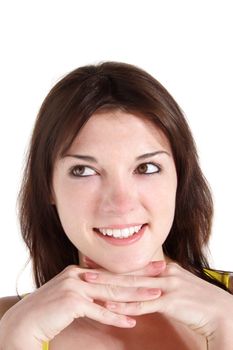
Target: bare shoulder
{"type": "Point", "coordinates": [6, 303]}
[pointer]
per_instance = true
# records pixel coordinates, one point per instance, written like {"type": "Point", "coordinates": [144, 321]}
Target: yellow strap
{"type": "Point", "coordinates": [45, 346]}
{"type": "Point", "coordinates": [221, 276]}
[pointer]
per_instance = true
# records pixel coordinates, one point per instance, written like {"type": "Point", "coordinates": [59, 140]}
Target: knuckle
{"type": "Point", "coordinates": [133, 280]}
{"type": "Point", "coordinates": [104, 313]}
{"type": "Point", "coordinates": [139, 306]}
{"type": "Point", "coordinates": [71, 301]}
{"type": "Point", "coordinates": [173, 268]}
{"type": "Point", "coordinates": [68, 297]}
{"type": "Point", "coordinates": [173, 282]}
{"type": "Point", "coordinates": [71, 270]}
{"type": "Point", "coordinates": [68, 284]}
{"type": "Point", "coordinates": [112, 290]}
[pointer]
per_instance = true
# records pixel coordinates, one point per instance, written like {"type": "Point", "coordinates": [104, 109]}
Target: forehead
{"type": "Point", "coordinates": [119, 129]}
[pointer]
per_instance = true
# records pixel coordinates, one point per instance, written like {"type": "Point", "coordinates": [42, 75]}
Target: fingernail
{"type": "Point", "coordinates": [91, 275]}
{"type": "Point", "coordinates": [131, 321]}
{"type": "Point", "coordinates": [158, 264]}
{"type": "Point", "coordinates": [154, 291]}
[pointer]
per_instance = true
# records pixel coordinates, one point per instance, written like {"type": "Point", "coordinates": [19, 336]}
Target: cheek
{"type": "Point", "coordinates": [73, 199]}
{"type": "Point", "coordinates": [162, 201]}
{"type": "Point", "coordinates": [74, 207]}
{"type": "Point", "coordinates": [162, 196]}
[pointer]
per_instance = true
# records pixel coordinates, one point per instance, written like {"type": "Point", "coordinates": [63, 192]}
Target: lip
{"type": "Point", "coordinates": [119, 226]}
{"type": "Point", "coordinates": [123, 241]}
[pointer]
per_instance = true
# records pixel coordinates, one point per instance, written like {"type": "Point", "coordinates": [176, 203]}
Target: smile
{"type": "Point", "coordinates": [120, 233]}
{"type": "Point", "coordinates": [124, 236]}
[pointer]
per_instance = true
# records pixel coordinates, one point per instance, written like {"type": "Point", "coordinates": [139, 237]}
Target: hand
{"type": "Point", "coordinates": [52, 307]}
{"type": "Point", "coordinates": [185, 297]}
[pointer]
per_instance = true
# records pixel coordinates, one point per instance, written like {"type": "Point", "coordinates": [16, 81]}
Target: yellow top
{"type": "Point", "coordinates": [221, 276]}
{"type": "Point", "coordinates": [45, 346]}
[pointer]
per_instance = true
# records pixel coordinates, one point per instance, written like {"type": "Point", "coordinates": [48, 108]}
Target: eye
{"type": "Point", "coordinates": [142, 168]}
{"type": "Point", "coordinates": [79, 171]}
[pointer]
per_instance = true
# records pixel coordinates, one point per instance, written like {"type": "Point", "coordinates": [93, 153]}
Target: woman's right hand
{"type": "Point", "coordinates": [51, 308]}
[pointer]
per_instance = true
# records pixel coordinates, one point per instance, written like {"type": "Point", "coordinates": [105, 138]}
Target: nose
{"type": "Point", "coordinates": [118, 197]}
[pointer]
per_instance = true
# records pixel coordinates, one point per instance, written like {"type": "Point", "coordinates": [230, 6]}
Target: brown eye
{"type": "Point", "coordinates": [80, 170]}
{"type": "Point", "coordinates": [153, 168]}
{"type": "Point", "coordinates": [142, 168]}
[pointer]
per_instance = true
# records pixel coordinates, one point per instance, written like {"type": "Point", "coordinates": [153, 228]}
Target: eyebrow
{"type": "Point", "coordinates": [94, 160]}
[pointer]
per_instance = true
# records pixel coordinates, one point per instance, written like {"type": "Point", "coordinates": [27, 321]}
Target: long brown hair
{"type": "Point", "coordinates": [65, 110]}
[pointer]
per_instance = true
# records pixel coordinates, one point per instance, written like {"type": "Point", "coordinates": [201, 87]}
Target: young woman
{"type": "Point", "coordinates": [116, 214]}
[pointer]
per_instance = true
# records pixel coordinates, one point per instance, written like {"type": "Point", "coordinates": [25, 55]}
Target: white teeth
{"type": "Point", "coordinates": [131, 230]}
{"type": "Point", "coordinates": [120, 233]}
{"type": "Point", "coordinates": [126, 232]}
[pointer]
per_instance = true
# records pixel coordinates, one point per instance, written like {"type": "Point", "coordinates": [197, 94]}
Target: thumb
{"type": "Point", "coordinates": [153, 268]}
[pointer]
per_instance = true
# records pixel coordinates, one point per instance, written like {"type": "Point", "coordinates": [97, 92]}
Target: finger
{"type": "Point", "coordinates": [117, 293]}
{"type": "Point", "coordinates": [135, 308]}
{"type": "Point", "coordinates": [96, 277]}
{"type": "Point", "coordinates": [90, 263]}
{"type": "Point", "coordinates": [105, 316]}
{"type": "Point", "coordinates": [154, 268]}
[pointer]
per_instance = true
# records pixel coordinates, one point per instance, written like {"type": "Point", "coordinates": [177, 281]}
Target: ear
{"type": "Point", "coordinates": [52, 201]}
{"type": "Point", "coordinates": [52, 198]}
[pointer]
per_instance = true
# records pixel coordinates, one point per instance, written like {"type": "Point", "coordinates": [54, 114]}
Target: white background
{"type": "Point", "coordinates": [186, 45]}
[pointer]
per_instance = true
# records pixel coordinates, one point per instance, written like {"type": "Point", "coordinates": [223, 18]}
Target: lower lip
{"type": "Point", "coordinates": [123, 241]}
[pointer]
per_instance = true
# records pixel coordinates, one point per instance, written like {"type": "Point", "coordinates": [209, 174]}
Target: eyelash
{"type": "Point", "coordinates": [85, 166]}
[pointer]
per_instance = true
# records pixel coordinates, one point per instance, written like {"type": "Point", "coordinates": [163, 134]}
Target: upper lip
{"type": "Point", "coordinates": [120, 226]}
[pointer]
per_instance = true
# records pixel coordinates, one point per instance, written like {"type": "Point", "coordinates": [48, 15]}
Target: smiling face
{"type": "Point", "coordinates": [117, 189]}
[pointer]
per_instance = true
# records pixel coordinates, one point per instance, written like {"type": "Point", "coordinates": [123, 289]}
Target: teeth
{"type": "Point", "coordinates": [123, 233]}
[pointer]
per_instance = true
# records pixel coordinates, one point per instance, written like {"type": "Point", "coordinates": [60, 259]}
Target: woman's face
{"type": "Point", "coordinates": [117, 189]}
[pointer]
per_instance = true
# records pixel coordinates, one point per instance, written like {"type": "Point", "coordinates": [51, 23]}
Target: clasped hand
{"type": "Point", "coordinates": [168, 289]}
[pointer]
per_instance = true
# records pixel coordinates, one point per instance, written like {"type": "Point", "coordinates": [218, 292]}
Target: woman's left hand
{"type": "Point", "coordinates": [185, 297]}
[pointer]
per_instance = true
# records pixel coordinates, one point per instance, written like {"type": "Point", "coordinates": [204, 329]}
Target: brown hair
{"type": "Point", "coordinates": [68, 106]}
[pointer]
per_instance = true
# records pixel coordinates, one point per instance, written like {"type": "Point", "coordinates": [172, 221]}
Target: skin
{"type": "Point", "coordinates": [76, 310]}
{"type": "Point", "coordinates": [117, 192]}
